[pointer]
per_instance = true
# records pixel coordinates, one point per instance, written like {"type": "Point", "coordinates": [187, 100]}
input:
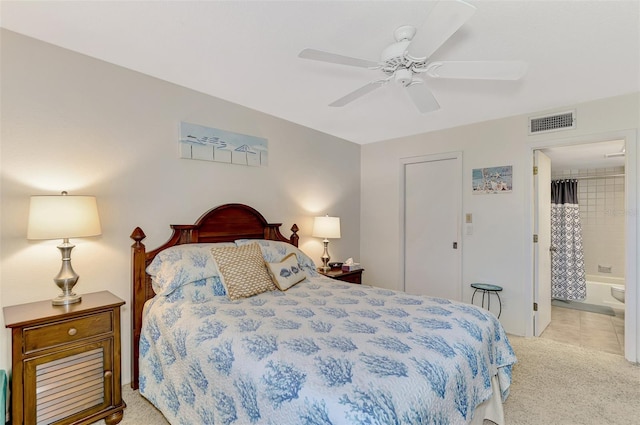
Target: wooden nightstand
{"type": "Point", "coordinates": [354, 276]}
{"type": "Point", "coordinates": [66, 361]}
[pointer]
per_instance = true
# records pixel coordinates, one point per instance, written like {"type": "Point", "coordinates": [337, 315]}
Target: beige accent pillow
{"type": "Point", "coordinates": [287, 272]}
{"type": "Point", "coordinates": [242, 270]}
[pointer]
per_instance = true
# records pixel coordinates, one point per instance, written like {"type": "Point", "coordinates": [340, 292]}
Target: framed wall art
{"type": "Point", "coordinates": [492, 180]}
{"type": "Point", "coordinates": [212, 144]}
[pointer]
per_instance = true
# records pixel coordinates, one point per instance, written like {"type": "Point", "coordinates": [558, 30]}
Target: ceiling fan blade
{"type": "Point", "coordinates": [443, 21]}
{"type": "Point", "coordinates": [422, 97]}
{"type": "Point", "coordinates": [478, 70]}
{"type": "Point", "coordinates": [358, 93]}
{"type": "Point", "coordinates": [319, 55]}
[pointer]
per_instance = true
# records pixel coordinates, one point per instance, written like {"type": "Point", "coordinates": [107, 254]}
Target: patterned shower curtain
{"type": "Point", "coordinates": [567, 260]}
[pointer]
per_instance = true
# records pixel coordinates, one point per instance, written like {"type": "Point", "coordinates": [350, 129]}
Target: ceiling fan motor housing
{"type": "Point", "coordinates": [395, 51]}
{"type": "Point", "coordinates": [395, 61]}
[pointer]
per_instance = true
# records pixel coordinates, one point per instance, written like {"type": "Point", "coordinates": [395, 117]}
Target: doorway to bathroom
{"type": "Point", "coordinates": [584, 310]}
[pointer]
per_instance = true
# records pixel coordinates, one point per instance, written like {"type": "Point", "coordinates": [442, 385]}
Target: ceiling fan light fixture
{"type": "Point", "coordinates": [403, 77]}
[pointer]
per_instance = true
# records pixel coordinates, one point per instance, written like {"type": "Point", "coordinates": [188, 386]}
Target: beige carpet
{"type": "Point", "coordinates": [556, 383]}
{"type": "Point", "coordinates": [553, 384]}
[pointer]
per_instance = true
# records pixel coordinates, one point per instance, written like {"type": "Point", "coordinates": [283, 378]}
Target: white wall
{"type": "Point", "coordinates": [498, 251]}
{"type": "Point", "coordinates": [70, 122]}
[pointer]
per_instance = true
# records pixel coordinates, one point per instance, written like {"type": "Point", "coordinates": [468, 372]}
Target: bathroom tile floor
{"type": "Point", "coordinates": [586, 329]}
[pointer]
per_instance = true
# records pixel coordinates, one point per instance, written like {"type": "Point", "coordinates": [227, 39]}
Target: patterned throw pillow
{"type": "Point", "coordinates": [243, 270]}
{"type": "Point", "coordinates": [287, 272]}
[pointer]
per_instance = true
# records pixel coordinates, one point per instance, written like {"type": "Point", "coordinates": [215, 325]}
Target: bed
{"type": "Point", "coordinates": [307, 350]}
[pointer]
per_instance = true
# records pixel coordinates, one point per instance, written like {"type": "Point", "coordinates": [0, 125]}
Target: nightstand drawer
{"type": "Point", "coordinates": [51, 335]}
{"type": "Point", "coordinates": [353, 276]}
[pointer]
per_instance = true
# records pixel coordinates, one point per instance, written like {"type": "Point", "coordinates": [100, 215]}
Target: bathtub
{"type": "Point", "coordinates": [599, 291]}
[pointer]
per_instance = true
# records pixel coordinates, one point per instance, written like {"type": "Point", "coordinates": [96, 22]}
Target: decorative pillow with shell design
{"type": "Point", "coordinates": [287, 272]}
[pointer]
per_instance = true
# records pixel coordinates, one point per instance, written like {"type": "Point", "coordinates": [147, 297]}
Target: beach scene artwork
{"type": "Point", "coordinates": [492, 180]}
{"type": "Point", "coordinates": [212, 144]}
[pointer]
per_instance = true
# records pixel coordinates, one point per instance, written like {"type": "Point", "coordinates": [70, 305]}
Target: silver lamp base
{"type": "Point", "coordinates": [63, 299]}
{"type": "Point", "coordinates": [325, 256]}
{"type": "Point", "coordinates": [66, 277]}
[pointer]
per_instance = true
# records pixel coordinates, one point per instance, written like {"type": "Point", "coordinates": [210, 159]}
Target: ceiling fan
{"type": "Point", "coordinates": [410, 56]}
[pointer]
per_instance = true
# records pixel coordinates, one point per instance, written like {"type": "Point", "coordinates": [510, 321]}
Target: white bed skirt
{"type": "Point", "coordinates": [491, 409]}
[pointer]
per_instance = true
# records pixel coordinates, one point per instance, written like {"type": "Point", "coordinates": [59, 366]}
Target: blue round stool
{"type": "Point", "coordinates": [487, 289]}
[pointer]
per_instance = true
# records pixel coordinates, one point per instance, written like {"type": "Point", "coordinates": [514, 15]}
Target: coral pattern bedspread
{"type": "Point", "coordinates": [323, 352]}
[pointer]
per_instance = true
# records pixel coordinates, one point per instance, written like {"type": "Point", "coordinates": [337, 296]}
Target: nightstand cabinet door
{"type": "Point", "coordinates": [69, 385]}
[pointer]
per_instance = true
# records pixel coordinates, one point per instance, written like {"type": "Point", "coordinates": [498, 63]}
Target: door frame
{"type": "Point", "coordinates": [632, 223]}
{"type": "Point", "coordinates": [457, 156]}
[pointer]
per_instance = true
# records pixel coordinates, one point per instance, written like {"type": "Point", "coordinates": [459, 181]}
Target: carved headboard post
{"type": "Point", "coordinates": [294, 235]}
{"type": "Point", "coordinates": [138, 261]}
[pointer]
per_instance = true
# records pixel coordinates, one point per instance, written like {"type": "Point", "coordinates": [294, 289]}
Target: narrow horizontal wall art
{"type": "Point", "coordinates": [492, 180]}
{"type": "Point", "coordinates": [212, 144]}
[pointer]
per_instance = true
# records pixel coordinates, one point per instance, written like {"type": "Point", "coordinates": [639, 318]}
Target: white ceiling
{"type": "Point", "coordinates": [586, 156]}
{"type": "Point", "coordinates": [246, 53]}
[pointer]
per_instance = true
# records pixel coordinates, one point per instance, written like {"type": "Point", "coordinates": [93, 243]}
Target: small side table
{"type": "Point", "coordinates": [354, 276]}
{"type": "Point", "coordinates": [487, 289]}
{"type": "Point", "coordinates": [66, 361]}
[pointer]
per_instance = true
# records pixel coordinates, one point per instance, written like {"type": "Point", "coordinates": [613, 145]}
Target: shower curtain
{"type": "Point", "coordinates": [567, 256]}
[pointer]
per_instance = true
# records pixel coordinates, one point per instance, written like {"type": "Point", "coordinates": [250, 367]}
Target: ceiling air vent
{"type": "Point", "coordinates": [555, 122]}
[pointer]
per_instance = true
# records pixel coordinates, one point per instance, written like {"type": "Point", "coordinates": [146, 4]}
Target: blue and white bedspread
{"type": "Point", "coordinates": [324, 352]}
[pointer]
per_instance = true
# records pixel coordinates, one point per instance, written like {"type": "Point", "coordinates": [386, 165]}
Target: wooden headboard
{"type": "Point", "coordinates": [225, 223]}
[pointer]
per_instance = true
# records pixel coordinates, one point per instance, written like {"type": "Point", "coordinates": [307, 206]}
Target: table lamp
{"type": "Point", "coordinates": [326, 227]}
{"type": "Point", "coordinates": [63, 217]}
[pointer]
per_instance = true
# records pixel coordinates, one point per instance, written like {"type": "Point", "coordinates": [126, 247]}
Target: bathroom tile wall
{"type": "Point", "coordinates": [602, 214]}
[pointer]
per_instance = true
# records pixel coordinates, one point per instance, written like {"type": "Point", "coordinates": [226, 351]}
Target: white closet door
{"type": "Point", "coordinates": [431, 207]}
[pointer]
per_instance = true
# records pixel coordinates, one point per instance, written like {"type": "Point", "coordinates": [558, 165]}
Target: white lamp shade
{"type": "Point", "coordinates": [326, 227]}
{"type": "Point", "coordinates": [63, 216]}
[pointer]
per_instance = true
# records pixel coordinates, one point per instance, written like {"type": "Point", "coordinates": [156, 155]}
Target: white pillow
{"type": "Point", "coordinates": [287, 272]}
{"type": "Point", "coordinates": [274, 251]}
{"type": "Point", "coordinates": [183, 264]}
